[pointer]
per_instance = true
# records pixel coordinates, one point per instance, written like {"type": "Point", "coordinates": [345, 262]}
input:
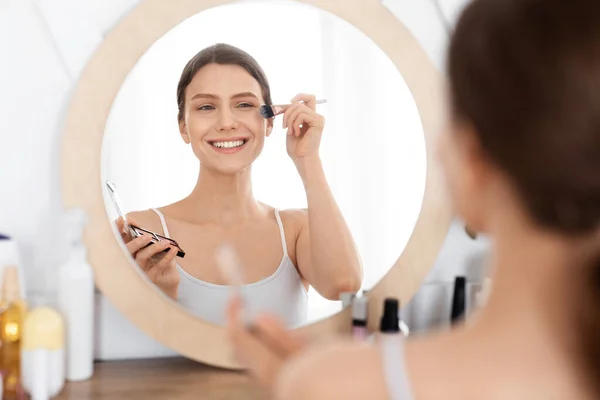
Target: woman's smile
{"type": "Point", "coordinates": [228, 146]}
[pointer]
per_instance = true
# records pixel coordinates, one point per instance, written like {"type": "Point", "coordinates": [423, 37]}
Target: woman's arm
{"type": "Point", "coordinates": [325, 251]}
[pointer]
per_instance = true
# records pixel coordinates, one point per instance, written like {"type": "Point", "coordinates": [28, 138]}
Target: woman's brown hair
{"type": "Point", "coordinates": [223, 54]}
{"type": "Point", "coordinates": [526, 75]}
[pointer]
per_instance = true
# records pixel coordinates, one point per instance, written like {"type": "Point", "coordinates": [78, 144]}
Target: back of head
{"type": "Point", "coordinates": [526, 75]}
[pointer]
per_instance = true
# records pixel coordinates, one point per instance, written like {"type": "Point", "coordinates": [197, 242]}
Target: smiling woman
{"type": "Point", "coordinates": [219, 96]}
{"type": "Point", "coordinates": [222, 116]}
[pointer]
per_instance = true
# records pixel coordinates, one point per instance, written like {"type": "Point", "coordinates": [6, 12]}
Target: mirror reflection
{"type": "Point", "coordinates": [275, 159]}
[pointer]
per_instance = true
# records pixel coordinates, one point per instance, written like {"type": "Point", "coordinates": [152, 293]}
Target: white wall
{"type": "Point", "coordinates": [44, 45]}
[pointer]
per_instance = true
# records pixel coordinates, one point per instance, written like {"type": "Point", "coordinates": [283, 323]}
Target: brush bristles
{"type": "Point", "coordinates": [267, 111]}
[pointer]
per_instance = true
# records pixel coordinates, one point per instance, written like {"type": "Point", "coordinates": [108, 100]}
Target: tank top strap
{"type": "Point", "coordinates": [397, 382]}
{"type": "Point", "coordinates": [163, 222]}
{"type": "Point", "coordinates": [281, 233]}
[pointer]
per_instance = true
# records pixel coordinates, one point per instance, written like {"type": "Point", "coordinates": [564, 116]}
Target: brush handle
{"type": "Point", "coordinates": [280, 108]}
{"type": "Point", "coordinates": [284, 106]}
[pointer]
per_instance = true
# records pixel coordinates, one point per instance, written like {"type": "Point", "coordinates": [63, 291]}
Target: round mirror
{"type": "Point", "coordinates": [372, 153]}
{"type": "Point", "coordinates": [373, 198]}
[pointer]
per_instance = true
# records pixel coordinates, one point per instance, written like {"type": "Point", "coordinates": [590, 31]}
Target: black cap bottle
{"type": "Point", "coordinates": [459, 300]}
{"type": "Point", "coordinates": [390, 323]}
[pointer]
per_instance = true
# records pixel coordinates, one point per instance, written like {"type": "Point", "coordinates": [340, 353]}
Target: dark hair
{"type": "Point", "coordinates": [526, 75]}
{"type": "Point", "coordinates": [223, 54]}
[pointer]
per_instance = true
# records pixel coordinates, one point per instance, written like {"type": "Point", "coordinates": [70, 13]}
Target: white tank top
{"type": "Point", "coordinates": [281, 294]}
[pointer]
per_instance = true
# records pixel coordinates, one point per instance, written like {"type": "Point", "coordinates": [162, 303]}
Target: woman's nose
{"type": "Point", "coordinates": [227, 120]}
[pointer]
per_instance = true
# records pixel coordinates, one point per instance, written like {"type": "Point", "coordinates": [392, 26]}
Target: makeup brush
{"type": "Point", "coordinates": [231, 269]}
{"type": "Point", "coordinates": [271, 111]}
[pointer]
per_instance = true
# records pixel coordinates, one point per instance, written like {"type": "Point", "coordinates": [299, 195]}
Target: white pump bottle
{"type": "Point", "coordinates": [76, 301]}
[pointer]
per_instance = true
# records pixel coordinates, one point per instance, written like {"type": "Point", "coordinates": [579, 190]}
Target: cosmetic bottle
{"type": "Point", "coordinates": [347, 298]}
{"type": "Point", "coordinates": [11, 325]}
{"type": "Point", "coordinates": [9, 256]}
{"type": "Point", "coordinates": [459, 299]}
{"type": "Point", "coordinates": [391, 316]}
{"type": "Point", "coordinates": [389, 326]}
{"type": "Point", "coordinates": [359, 318]}
{"type": "Point", "coordinates": [43, 355]}
{"type": "Point", "coordinates": [390, 322]}
{"type": "Point", "coordinates": [76, 301]}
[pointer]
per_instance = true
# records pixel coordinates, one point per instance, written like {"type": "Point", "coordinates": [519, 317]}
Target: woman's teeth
{"type": "Point", "coordinates": [229, 145]}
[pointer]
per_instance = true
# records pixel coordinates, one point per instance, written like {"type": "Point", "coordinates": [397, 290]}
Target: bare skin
{"type": "Point", "coordinates": [222, 207]}
{"type": "Point", "coordinates": [521, 345]}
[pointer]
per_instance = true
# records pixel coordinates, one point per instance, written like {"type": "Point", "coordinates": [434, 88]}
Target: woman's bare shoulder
{"type": "Point", "coordinates": [297, 217]}
{"type": "Point", "coordinates": [332, 370]}
{"type": "Point", "coordinates": [146, 219]}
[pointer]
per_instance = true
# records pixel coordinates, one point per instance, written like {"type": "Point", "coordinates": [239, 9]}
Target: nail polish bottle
{"type": "Point", "coordinates": [359, 318]}
{"type": "Point", "coordinates": [390, 323]}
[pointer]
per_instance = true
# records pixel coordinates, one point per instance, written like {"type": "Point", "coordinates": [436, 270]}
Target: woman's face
{"type": "Point", "coordinates": [222, 118]}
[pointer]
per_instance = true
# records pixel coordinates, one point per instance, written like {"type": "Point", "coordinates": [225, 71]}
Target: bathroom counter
{"type": "Point", "coordinates": [162, 379]}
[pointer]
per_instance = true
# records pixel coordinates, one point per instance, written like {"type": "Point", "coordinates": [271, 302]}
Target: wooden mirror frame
{"type": "Point", "coordinates": [127, 288]}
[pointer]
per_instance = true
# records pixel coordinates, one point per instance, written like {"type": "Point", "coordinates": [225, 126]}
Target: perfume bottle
{"type": "Point", "coordinates": [11, 324]}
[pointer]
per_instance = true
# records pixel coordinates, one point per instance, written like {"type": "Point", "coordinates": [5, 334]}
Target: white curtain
{"type": "Point", "coordinates": [373, 148]}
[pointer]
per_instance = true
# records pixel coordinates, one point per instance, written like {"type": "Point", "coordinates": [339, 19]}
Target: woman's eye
{"type": "Point", "coordinates": [206, 108]}
{"type": "Point", "coordinates": [246, 105]}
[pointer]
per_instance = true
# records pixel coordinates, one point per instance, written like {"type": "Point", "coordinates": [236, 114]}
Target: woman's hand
{"type": "Point", "coordinates": [157, 263]}
{"type": "Point", "coordinates": [304, 127]}
{"type": "Point", "coordinates": [264, 347]}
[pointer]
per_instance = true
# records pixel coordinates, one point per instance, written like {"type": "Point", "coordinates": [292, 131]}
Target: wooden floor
{"type": "Point", "coordinates": [162, 379]}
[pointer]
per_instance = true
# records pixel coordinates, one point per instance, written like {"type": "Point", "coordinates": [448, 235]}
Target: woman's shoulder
{"type": "Point", "coordinates": [353, 370]}
{"type": "Point", "coordinates": [296, 216]}
{"type": "Point", "coordinates": [146, 219]}
{"type": "Point", "coordinates": [294, 222]}
{"type": "Point", "coordinates": [291, 217]}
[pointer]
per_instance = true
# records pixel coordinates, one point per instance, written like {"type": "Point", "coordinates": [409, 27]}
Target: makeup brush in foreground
{"type": "Point", "coordinates": [230, 267]}
{"type": "Point", "coordinates": [267, 111]}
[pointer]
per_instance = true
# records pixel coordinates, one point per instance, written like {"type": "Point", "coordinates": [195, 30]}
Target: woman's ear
{"type": "Point", "coordinates": [270, 126]}
{"type": "Point", "coordinates": [478, 173]}
{"type": "Point", "coordinates": [183, 132]}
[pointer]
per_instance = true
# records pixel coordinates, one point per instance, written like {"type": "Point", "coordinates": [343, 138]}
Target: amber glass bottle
{"type": "Point", "coordinates": [12, 309]}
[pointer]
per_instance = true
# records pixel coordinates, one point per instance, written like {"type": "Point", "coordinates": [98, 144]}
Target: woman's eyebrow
{"type": "Point", "coordinates": [244, 94]}
{"type": "Point", "coordinates": [215, 97]}
{"type": "Point", "coordinates": [204, 96]}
